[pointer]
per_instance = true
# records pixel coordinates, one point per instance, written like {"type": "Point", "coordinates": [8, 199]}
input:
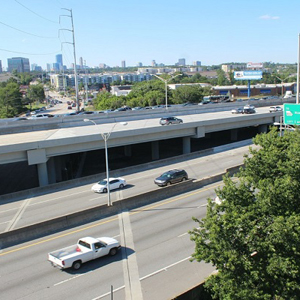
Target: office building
{"type": "Point", "coordinates": [153, 63]}
{"type": "Point", "coordinates": [197, 63]}
{"type": "Point", "coordinates": [123, 64]}
{"type": "Point", "coordinates": [81, 63]}
{"type": "Point", "coordinates": [1, 67]}
{"type": "Point", "coordinates": [181, 62]}
{"type": "Point", "coordinates": [59, 62]}
{"type": "Point", "coordinates": [20, 64]}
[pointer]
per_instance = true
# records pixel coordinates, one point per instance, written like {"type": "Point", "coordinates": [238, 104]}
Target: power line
{"type": "Point", "coordinates": [35, 12]}
{"type": "Point", "coordinates": [45, 37]}
{"type": "Point", "coordinates": [29, 53]}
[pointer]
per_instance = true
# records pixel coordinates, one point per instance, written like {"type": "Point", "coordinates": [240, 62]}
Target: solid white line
{"type": "Point", "coordinates": [18, 215]}
{"type": "Point", "coordinates": [165, 268]}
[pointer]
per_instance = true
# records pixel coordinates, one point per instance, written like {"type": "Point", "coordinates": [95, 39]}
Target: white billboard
{"type": "Point", "coordinates": [248, 75]}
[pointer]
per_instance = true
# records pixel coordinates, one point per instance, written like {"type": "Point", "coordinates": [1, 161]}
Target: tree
{"type": "Point", "coordinates": [253, 236]}
{"type": "Point", "coordinates": [10, 100]}
{"type": "Point", "coordinates": [36, 93]}
{"type": "Point", "coordinates": [188, 93]}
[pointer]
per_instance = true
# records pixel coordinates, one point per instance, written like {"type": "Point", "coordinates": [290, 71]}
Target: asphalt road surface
{"type": "Point", "coordinates": [16, 214]}
{"type": "Point", "coordinates": [153, 263]}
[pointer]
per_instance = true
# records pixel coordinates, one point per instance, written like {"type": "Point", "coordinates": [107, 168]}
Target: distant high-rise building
{"type": "Point", "coordinates": [181, 62]}
{"type": "Point", "coordinates": [102, 66]}
{"type": "Point", "coordinates": [123, 64]}
{"type": "Point", "coordinates": [59, 62]}
{"type": "Point", "coordinates": [1, 67]}
{"type": "Point", "coordinates": [153, 63]}
{"type": "Point", "coordinates": [81, 62]}
{"type": "Point", "coordinates": [48, 67]}
{"type": "Point", "coordinates": [197, 63]}
{"type": "Point", "coordinates": [20, 64]}
{"type": "Point", "coordinates": [139, 64]}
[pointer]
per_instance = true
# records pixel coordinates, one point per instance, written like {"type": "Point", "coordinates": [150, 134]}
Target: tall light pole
{"type": "Point", "coordinates": [166, 85]}
{"type": "Point", "coordinates": [105, 137]}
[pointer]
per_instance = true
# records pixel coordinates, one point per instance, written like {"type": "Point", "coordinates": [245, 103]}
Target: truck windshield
{"type": "Point", "coordinates": [84, 244]}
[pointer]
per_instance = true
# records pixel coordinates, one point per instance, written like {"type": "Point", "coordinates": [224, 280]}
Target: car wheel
{"type": "Point", "coordinates": [168, 183]}
{"type": "Point", "coordinates": [121, 186]}
{"type": "Point", "coordinates": [184, 179]}
{"type": "Point", "coordinates": [104, 190]}
{"type": "Point", "coordinates": [76, 265]}
{"type": "Point", "coordinates": [113, 251]}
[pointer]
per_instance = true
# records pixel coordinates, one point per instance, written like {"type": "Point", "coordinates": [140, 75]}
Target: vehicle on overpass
{"type": "Point", "coordinates": [114, 183]}
{"type": "Point", "coordinates": [172, 176]}
{"type": "Point", "coordinates": [170, 120]}
{"type": "Point", "coordinates": [275, 108]}
{"type": "Point", "coordinates": [238, 110]}
{"type": "Point", "coordinates": [86, 249]}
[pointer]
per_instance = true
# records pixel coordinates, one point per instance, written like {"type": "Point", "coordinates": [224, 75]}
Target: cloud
{"type": "Point", "coordinates": [268, 17]}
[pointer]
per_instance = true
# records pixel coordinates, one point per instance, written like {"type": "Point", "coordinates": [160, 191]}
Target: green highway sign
{"type": "Point", "coordinates": [291, 114]}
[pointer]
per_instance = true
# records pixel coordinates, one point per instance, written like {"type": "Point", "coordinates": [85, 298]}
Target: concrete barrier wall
{"type": "Point", "coordinates": [8, 126]}
{"type": "Point", "coordinates": [61, 223]}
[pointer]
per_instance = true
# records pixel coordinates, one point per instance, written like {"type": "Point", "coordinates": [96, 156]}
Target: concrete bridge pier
{"type": "Point", "coordinates": [42, 174]}
{"type": "Point", "coordinates": [155, 150]}
{"type": "Point", "coordinates": [186, 145]}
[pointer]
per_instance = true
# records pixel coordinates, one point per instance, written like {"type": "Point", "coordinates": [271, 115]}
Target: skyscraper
{"type": "Point", "coordinates": [123, 64]}
{"type": "Point", "coordinates": [1, 66]}
{"type": "Point", "coordinates": [81, 63]}
{"type": "Point", "coordinates": [59, 61]}
{"type": "Point", "coordinates": [20, 64]}
{"type": "Point", "coordinates": [181, 62]}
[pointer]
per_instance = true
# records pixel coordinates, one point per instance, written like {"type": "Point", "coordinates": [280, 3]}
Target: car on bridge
{"type": "Point", "coordinates": [172, 176]}
{"type": "Point", "coordinates": [170, 120]}
{"type": "Point", "coordinates": [238, 110]}
{"type": "Point", "coordinates": [275, 108]}
{"type": "Point", "coordinates": [114, 183]}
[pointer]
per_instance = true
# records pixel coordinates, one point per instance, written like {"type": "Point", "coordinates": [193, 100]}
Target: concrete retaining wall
{"type": "Point", "coordinates": [61, 223]}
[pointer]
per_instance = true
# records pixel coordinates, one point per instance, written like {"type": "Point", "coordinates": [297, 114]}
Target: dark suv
{"type": "Point", "coordinates": [170, 120]}
{"type": "Point", "coordinates": [170, 177]}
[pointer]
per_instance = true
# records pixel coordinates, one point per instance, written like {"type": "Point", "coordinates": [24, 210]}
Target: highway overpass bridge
{"type": "Point", "coordinates": [47, 148]}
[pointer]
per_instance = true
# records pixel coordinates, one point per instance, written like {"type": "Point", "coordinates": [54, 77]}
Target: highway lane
{"type": "Point", "coordinates": [57, 203]}
{"type": "Point", "coordinates": [153, 262]}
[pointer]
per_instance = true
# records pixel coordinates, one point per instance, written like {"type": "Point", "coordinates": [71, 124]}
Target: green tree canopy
{"type": "Point", "coordinates": [253, 236]}
{"type": "Point", "coordinates": [10, 100]}
{"type": "Point", "coordinates": [36, 93]}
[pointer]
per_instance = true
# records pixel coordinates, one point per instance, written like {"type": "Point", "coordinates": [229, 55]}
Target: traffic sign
{"type": "Point", "coordinates": [291, 114]}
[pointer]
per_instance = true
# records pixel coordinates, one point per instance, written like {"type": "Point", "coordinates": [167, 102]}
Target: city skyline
{"type": "Point", "coordinates": [213, 33]}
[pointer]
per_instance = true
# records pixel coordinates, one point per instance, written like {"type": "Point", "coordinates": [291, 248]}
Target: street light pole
{"type": "Point", "coordinates": [166, 86]}
{"type": "Point", "coordinates": [282, 81]}
{"type": "Point", "coordinates": [105, 137]}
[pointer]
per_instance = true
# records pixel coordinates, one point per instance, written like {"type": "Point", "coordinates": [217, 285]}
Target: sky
{"type": "Point", "coordinates": [213, 32]}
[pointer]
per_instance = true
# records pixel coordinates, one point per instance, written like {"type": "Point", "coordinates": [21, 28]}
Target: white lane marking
{"type": "Point", "coordinates": [133, 289]}
{"type": "Point", "coordinates": [67, 280]}
{"type": "Point", "coordinates": [18, 215]}
{"type": "Point", "coordinates": [145, 277]}
{"type": "Point", "coordinates": [165, 268]}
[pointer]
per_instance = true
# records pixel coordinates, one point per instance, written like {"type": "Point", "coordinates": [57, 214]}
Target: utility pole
{"type": "Point", "coordinates": [86, 84]}
{"type": "Point", "coordinates": [74, 52]}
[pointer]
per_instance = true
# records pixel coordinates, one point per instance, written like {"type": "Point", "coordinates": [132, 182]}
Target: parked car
{"type": "Point", "coordinates": [114, 183]}
{"type": "Point", "coordinates": [275, 108]}
{"type": "Point", "coordinates": [170, 120]}
{"type": "Point", "coordinates": [238, 110]}
{"type": "Point", "coordinates": [170, 177]}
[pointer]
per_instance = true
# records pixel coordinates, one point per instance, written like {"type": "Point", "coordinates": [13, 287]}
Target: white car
{"type": "Point", "coordinates": [275, 108]}
{"type": "Point", "coordinates": [249, 106]}
{"type": "Point", "coordinates": [114, 183]}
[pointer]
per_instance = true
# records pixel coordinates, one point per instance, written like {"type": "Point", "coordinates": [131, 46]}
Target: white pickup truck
{"type": "Point", "coordinates": [87, 248]}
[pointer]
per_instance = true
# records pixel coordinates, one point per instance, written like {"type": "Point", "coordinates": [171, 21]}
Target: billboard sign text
{"type": "Point", "coordinates": [248, 75]}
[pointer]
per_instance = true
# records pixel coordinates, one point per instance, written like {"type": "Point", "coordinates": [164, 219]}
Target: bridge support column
{"type": "Point", "coordinates": [51, 170]}
{"type": "Point", "coordinates": [155, 150]}
{"type": "Point", "coordinates": [127, 150]}
{"type": "Point", "coordinates": [233, 134]}
{"type": "Point", "coordinates": [186, 145]}
{"type": "Point", "coordinates": [43, 174]}
{"type": "Point", "coordinates": [263, 128]}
